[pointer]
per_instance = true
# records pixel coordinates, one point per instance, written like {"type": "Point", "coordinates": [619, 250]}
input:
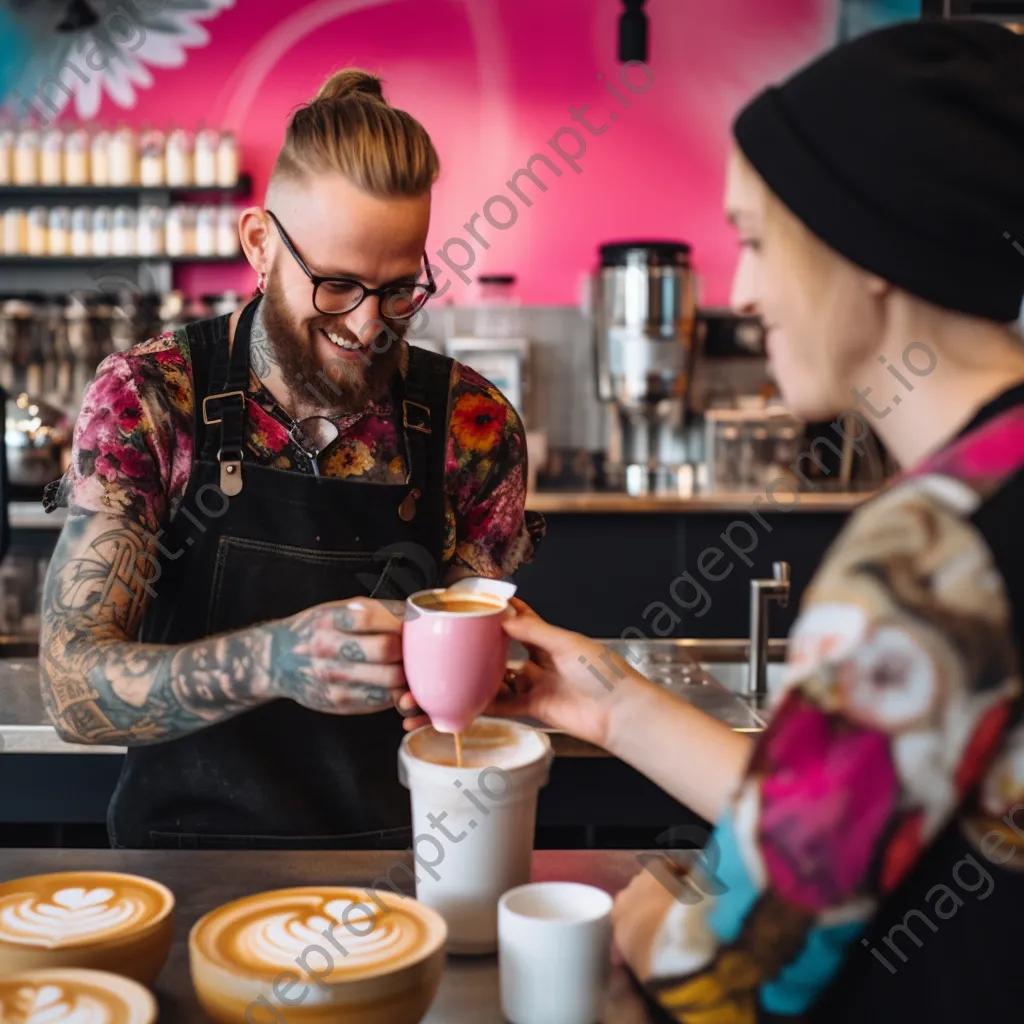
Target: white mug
{"type": "Point", "coordinates": [554, 950]}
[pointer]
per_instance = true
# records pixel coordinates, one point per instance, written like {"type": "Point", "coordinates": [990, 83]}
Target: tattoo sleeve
{"type": "Point", "coordinates": [99, 684]}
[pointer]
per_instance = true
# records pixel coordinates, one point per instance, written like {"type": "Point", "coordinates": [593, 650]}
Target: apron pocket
{"type": "Point", "coordinates": [256, 581]}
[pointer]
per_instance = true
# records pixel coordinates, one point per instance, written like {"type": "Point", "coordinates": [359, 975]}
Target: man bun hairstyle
{"type": "Point", "coordinates": [349, 128]}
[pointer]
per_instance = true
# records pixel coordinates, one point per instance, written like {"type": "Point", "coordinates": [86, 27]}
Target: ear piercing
{"type": "Point", "coordinates": [261, 281]}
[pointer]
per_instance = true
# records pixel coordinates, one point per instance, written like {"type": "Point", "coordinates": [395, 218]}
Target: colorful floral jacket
{"type": "Point", "coordinates": [133, 452]}
{"type": "Point", "coordinates": [901, 718]}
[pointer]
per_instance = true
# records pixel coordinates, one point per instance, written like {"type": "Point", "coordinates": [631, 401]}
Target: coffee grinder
{"type": "Point", "coordinates": [645, 311]}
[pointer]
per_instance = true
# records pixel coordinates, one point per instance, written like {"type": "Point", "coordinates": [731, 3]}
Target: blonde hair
{"type": "Point", "coordinates": [349, 128]}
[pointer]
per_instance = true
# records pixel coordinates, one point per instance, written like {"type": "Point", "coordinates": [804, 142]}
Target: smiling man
{"type": "Point", "coordinates": [242, 492]}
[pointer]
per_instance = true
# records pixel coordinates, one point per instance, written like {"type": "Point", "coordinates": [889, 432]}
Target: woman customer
{"type": "Point", "coordinates": [869, 847]}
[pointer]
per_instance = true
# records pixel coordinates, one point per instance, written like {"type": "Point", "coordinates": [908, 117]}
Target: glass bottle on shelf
{"type": "Point", "coordinates": [124, 157]}
{"type": "Point", "coordinates": [8, 138]}
{"type": "Point", "coordinates": [14, 240]}
{"type": "Point", "coordinates": [179, 159]}
{"type": "Point", "coordinates": [206, 231]}
{"type": "Point", "coordinates": [207, 143]}
{"type": "Point", "coordinates": [152, 166]}
{"type": "Point", "coordinates": [151, 231]}
{"type": "Point", "coordinates": [58, 242]}
{"type": "Point", "coordinates": [76, 157]}
{"type": "Point", "coordinates": [38, 223]}
{"type": "Point", "coordinates": [102, 231]}
{"type": "Point", "coordinates": [124, 231]}
{"type": "Point", "coordinates": [180, 231]}
{"type": "Point", "coordinates": [227, 160]}
{"type": "Point", "coordinates": [81, 231]}
{"type": "Point", "coordinates": [26, 157]}
{"type": "Point", "coordinates": [51, 157]}
{"type": "Point", "coordinates": [99, 158]}
{"type": "Point", "coordinates": [227, 231]}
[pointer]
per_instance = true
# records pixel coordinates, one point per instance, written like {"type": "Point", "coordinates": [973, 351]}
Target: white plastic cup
{"type": "Point", "coordinates": [554, 952]}
{"type": "Point", "coordinates": [473, 831]}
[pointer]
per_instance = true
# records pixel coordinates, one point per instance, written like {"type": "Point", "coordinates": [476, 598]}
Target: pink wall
{"type": "Point", "coordinates": [493, 81]}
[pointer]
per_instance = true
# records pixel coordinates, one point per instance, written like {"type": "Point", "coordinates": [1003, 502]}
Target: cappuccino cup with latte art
{"type": "Point", "coordinates": [71, 996]}
{"type": "Point", "coordinates": [320, 954]}
{"type": "Point", "coordinates": [99, 920]}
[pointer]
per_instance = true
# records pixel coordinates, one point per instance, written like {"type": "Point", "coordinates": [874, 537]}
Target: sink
{"type": "Point", "coordinates": [733, 675]}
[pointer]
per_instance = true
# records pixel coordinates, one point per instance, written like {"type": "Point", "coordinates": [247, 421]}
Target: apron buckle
{"type": "Point", "coordinates": [420, 420]}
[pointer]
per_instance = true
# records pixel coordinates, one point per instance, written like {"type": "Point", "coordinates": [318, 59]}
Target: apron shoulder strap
{"type": "Point", "coordinates": [424, 406]}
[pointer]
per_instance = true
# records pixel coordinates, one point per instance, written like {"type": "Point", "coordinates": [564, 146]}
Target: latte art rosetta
{"type": "Point", "coordinates": [263, 935]}
{"type": "Point", "coordinates": [368, 937]}
{"type": "Point", "coordinates": [68, 916]}
{"type": "Point", "coordinates": [51, 1004]}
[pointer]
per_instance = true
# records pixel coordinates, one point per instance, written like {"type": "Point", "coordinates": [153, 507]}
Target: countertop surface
{"type": "Point", "coordinates": [202, 881]}
{"type": "Point", "coordinates": [608, 502]}
{"type": "Point", "coordinates": [672, 664]}
{"type": "Point", "coordinates": [29, 515]}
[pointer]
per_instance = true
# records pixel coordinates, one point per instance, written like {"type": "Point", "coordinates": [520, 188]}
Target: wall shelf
{"type": "Point", "coordinates": [109, 261]}
{"type": "Point", "coordinates": [15, 195]}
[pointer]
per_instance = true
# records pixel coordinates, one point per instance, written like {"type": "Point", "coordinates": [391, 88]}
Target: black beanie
{"type": "Point", "coordinates": [904, 151]}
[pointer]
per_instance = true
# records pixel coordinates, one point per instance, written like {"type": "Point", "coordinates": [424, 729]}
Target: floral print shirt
{"type": "Point", "coordinates": [133, 448]}
{"type": "Point", "coordinates": [897, 745]}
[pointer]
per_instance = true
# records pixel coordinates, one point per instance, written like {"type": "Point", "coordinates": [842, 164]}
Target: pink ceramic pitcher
{"type": "Point", "coordinates": [455, 661]}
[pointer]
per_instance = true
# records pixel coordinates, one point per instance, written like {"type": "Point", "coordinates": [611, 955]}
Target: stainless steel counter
{"type": "Point", "coordinates": [709, 674]}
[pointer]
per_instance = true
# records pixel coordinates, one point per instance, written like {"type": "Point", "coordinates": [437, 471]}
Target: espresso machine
{"type": "Point", "coordinates": [645, 311]}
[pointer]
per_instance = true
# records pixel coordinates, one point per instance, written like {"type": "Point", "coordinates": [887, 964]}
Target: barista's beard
{"type": "Point", "coordinates": [342, 385]}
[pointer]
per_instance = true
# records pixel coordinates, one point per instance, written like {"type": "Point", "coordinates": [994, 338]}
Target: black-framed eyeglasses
{"type": "Point", "coordinates": [336, 295]}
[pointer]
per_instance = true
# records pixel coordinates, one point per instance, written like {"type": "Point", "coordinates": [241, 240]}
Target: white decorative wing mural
{"type": "Point", "coordinates": [60, 53]}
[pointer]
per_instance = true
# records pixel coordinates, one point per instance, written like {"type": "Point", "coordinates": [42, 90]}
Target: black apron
{"type": "Point", "coordinates": [281, 776]}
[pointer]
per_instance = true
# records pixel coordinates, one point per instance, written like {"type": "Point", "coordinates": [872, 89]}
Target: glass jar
{"type": "Point", "coordinates": [81, 231]}
{"type": "Point", "coordinates": [207, 142]}
{"type": "Point", "coordinates": [99, 158]}
{"type": "Point", "coordinates": [227, 160]}
{"type": "Point", "coordinates": [124, 157]}
{"type": "Point", "coordinates": [26, 157]}
{"type": "Point", "coordinates": [497, 314]}
{"type": "Point", "coordinates": [59, 241]}
{"type": "Point", "coordinates": [38, 224]}
{"type": "Point", "coordinates": [206, 231]}
{"type": "Point", "coordinates": [227, 231]}
{"type": "Point", "coordinates": [151, 231]}
{"type": "Point", "coordinates": [179, 159]}
{"type": "Point", "coordinates": [76, 158]}
{"type": "Point", "coordinates": [151, 159]}
{"type": "Point", "coordinates": [51, 157]}
{"type": "Point", "coordinates": [102, 231]}
{"type": "Point", "coordinates": [124, 231]}
{"type": "Point", "coordinates": [14, 241]}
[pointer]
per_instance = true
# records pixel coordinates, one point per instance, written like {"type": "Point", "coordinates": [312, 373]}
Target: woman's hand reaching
{"type": "Point", "coordinates": [570, 682]}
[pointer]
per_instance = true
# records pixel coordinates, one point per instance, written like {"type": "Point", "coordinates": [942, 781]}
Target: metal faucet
{"type": "Point", "coordinates": [761, 592]}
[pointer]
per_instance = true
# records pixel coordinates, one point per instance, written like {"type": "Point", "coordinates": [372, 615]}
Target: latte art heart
{"type": "Point", "coordinates": [51, 1004]}
{"type": "Point", "coordinates": [72, 915]}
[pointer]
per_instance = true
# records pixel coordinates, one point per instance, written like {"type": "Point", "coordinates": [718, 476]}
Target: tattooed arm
{"type": "Point", "coordinates": [100, 685]}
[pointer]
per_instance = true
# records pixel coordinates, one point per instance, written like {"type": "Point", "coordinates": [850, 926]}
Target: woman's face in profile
{"type": "Point", "coordinates": [821, 319]}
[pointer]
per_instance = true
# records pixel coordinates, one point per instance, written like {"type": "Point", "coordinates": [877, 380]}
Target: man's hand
{"type": "Point", "coordinates": [342, 658]}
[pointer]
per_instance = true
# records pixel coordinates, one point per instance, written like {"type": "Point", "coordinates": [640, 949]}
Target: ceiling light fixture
{"type": "Point", "coordinates": [633, 31]}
